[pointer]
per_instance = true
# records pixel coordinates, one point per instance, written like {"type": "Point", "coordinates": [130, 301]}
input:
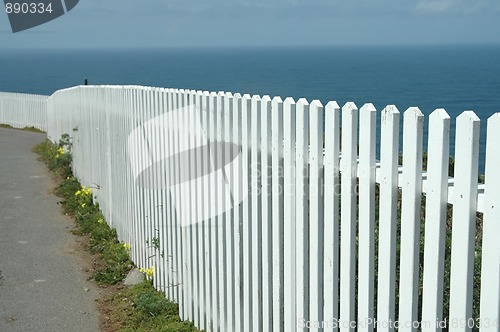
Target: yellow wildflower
{"type": "Point", "coordinates": [126, 246]}
{"type": "Point", "coordinates": [60, 151]}
{"type": "Point", "coordinates": [84, 205]}
{"type": "Point", "coordinates": [148, 272]}
{"type": "Point", "coordinates": [78, 193]}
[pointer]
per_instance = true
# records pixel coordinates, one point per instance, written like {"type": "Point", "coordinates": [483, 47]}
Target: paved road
{"type": "Point", "coordinates": [42, 286]}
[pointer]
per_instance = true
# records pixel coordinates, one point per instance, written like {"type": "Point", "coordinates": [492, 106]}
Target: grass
{"type": "Point", "coordinates": [138, 308]}
{"type": "Point", "coordinates": [142, 308]}
{"type": "Point", "coordinates": [31, 129]}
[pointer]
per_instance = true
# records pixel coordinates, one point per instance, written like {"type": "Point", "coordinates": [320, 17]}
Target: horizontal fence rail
{"type": "Point", "coordinates": [21, 110]}
{"type": "Point", "coordinates": [274, 215]}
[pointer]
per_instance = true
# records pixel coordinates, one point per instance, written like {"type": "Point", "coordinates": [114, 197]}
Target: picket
{"type": "Point", "coordinates": [366, 174]}
{"type": "Point", "coordinates": [255, 183]}
{"type": "Point", "coordinates": [289, 282]}
{"type": "Point", "coordinates": [348, 208]}
{"type": "Point", "coordinates": [277, 217]}
{"type": "Point", "coordinates": [435, 218]}
{"type": "Point", "coordinates": [411, 188]}
{"type": "Point", "coordinates": [220, 198]}
{"type": "Point", "coordinates": [331, 214]}
{"type": "Point", "coordinates": [316, 201]}
{"type": "Point", "coordinates": [247, 217]}
{"type": "Point", "coordinates": [266, 204]}
{"type": "Point", "coordinates": [237, 177]}
{"type": "Point", "coordinates": [206, 223]}
{"type": "Point", "coordinates": [302, 210]}
{"type": "Point", "coordinates": [389, 151]}
{"type": "Point", "coordinates": [229, 222]}
{"type": "Point", "coordinates": [464, 219]}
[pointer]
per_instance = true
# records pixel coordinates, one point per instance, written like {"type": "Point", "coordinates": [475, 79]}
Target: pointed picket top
{"type": "Point", "coordinates": [388, 112]}
{"type": "Point", "coordinates": [237, 95]}
{"type": "Point", "coordinates": [332, 105]}
{"type": "Point", "coordinates": [439, 113]}
{"type": "Point", "coordinates": [266, 98]}
{"type": "Point", "coordinates": [368, 108]}
{"type": "Point", "coordinates": [277, 100]}
{"type": "Point", "coordinates": [414, 112]}
{"type": "Point", "coordinates": [289, 101]}
{"type": "Point", "coordinates": [302, 102]}
{"type": "Point", "coordinates": [494, 119]}
{"type": "Point", "coordinates": [349, 107]}
{"type": "Point", "coordinates": [468, 116]}
{"type": "Point", "coordinates": [255, 106]}
{"type": "Point", "coordinates": [316, 104]}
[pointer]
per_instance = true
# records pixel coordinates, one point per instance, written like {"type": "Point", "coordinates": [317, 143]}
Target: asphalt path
{"type": "Point", "coordinates": [42, 285]}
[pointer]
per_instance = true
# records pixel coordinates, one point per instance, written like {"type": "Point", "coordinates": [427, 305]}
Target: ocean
{"type": "Point", "coordinates": [456, 78]}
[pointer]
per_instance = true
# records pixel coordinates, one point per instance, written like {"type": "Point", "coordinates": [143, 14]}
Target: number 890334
{"type": "Point", "coordinates": [28, 8]}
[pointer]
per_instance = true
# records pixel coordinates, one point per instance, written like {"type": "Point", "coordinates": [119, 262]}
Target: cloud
{"type": "Point", "coordinates": [457, 7]}
{"type": "Point", "coordinates": [433, 6]}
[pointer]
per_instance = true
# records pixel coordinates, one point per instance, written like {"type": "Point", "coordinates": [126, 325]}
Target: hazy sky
{"type": "Point", "coordinates": [161, 23]}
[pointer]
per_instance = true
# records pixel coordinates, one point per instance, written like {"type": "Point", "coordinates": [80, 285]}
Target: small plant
{"type": "Point", "coordinates": [153, 303]}
{"type": "Point", "coordinates": [155, 243]}
{"type": "Point", "coordinates": [57, 156]}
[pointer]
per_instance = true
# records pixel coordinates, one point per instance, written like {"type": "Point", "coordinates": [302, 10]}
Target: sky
{"type": "Point", "coordinates": [227, 23]}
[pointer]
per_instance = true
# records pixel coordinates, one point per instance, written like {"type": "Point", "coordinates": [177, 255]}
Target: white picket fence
{"type": "Point", "coordinates": [260, 214]}
{"type": "Point", "coordinates": [21, 110]}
